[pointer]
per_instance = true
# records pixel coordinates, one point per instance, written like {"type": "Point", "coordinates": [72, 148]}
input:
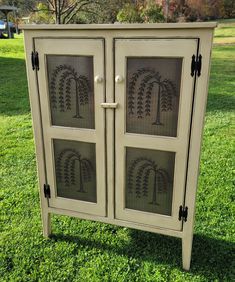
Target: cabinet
{"type": "Point", "coordinates": [118, 115]}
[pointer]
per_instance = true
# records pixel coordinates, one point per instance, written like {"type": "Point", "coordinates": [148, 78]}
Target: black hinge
{"type": "Point", "coordinates": [35, 60]}
{"type": "Point", "coordinates": [47, 191]}
{"type": "Point", "coordinates": [183, 213]}
{"type": "Point", "coordinates": [196, 65]}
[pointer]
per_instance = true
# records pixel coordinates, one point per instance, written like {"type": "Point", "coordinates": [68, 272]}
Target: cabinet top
{"type": "Point", "coordinates": [119, 26]}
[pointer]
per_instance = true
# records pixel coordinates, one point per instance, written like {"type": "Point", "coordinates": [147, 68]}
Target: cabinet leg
{"type": "Point", "coordinates": [46, 224]}
{"type": "Point", "coordinates": [186, 251]}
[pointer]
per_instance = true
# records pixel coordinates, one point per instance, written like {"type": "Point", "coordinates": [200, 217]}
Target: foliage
{"type": "Point", "coordinates": [104, 12]}
{"type": "Point", "coordinates": [198, 10]}
{"type": "Point", "coordinates": [64, 11]}
{"type": "Point", "coordinates": [149, 11]}
{"type": "Point", "coordinates": [41, 15]}
{"type": "Point", "coordinates": [109, 11]}
{"type": "Point", "coordinates": [99, 11]}
{"type": "Point", "coordinates": [129, 14]}
{"type": "Point", "coordinates": [152, 13]}
{"type": "Point", "coordinates": [82, 250]}
{"type": "Point", "coordinates": [193, 10]}
{"type": "Point", "coordinates": [24, 6]}
{"type": "Point", "coordinates": [229, 8]}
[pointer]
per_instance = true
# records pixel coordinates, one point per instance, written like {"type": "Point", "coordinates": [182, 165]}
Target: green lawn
{"type": "Point", "coordinates": [87, 251]}
{"type": "Point", "coordinates": [225, 34]}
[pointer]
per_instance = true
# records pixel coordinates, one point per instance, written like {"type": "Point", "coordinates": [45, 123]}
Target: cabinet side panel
{"type": "Point", "coordinates": [37, 128]}
{"type": "Point", "coordinates": [198, 115]}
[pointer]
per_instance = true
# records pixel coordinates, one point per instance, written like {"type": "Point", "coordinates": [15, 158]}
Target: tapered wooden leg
{"type": "Point", "coordinates": [186, 251]}
{"type": "Point", "coordinates": [46, 224]}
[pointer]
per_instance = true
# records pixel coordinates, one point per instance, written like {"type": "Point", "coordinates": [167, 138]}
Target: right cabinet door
{"type": "Point", "coordinates": [154, 91]}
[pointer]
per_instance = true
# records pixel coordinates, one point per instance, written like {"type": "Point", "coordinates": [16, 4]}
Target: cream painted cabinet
{"type": "Point", "coordinates": [118, 114]}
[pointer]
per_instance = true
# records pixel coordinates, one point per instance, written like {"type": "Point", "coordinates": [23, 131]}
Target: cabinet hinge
{"type": "Point", "coordinates": [196, 65]}
{"type": "Point", "coordinates": [35, 60]}
{"type": "Point", "coordinates": [183, 213]}
{"type": "Point", "coordinates": [47, 191]}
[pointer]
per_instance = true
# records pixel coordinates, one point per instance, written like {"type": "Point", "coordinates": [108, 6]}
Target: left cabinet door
{"type": "Point", "coordinates": [71, 89]}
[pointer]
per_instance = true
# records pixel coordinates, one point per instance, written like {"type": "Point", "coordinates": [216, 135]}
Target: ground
{"type": "Point", "coordinates": [87, 251]}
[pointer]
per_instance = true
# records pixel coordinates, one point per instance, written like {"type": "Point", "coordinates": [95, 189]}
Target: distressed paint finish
{"type": "Point", "coordinates": [110, 119]}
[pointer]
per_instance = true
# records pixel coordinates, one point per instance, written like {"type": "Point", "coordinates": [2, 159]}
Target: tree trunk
{"type": "Point", "coordinates": [81, 189]}
{"type": "Point", "coordinates": [77, 102]}
{"type": "Point", "coordinates": [58, 19]}
{"type": "Point", "coordinates": [57, 12]}
{"type": "Point", "coordinates": [8, 26]}
{"type": "Point", "coordinates": [158, 121]}
{"type": "Point", "coordinates": [166, 9]}
{"type": "Point", "coordinates": [154, 199]}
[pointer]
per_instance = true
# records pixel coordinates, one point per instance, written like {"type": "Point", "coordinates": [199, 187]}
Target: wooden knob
{"type": "Point", "coordinates": [98, 79]}
{"type": "Point", "coordinates": [119, 79]}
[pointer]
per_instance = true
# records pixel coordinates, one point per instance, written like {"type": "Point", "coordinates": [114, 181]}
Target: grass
{"type": "Point", "coordinates": [87, 251]}
{"type": "Point", "coordinates": [225, 33]}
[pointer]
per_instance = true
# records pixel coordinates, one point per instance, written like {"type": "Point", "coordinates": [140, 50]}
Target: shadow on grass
{"type": "Point", "coordinates": [14, 99]}
{"type": "Point", "coordinates": [209, 256]}
{"type": "Point", "coordinates": [220, 102]}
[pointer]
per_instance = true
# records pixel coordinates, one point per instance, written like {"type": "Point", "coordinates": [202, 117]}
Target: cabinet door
{"type": "Point", "coordinates": [73, 122]}
{"type": "Point", "coordinates": [154, 91]}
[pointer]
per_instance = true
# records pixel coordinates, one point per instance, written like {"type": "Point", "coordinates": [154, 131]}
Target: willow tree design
{"type": "Point", "coordinates": [148, 82]}
{"type": "Point", "coordinates": [139, 174]}
{"type": "Point", "coordinates": [65, 169]}
{"type": "Point", "coordinates": [62, 79]}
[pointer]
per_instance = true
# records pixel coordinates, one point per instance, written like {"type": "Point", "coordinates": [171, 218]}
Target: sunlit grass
{"type": "Point", "coordinates": [89, 251]}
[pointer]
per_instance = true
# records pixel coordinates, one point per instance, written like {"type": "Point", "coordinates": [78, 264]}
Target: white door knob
{"type": "Point", "coordinates": [119, 79]}
{"type": "Point", "coordinates": [98, 79]}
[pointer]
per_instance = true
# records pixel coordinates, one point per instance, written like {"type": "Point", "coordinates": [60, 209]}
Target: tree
{"type": "Point", "coordinates": [61, 89]}
{"type": "Point", "coordinates": [65, 169]}
{"type": "Point", "coordinates": [24, 6]}
{"type": "Point", "coordinates": [229, 8]}
{"type": "Point", "coordinates": [65, 10]}
{"type": "Point", "coordinates": [41, 15]}
{"type": "Point", "coordinates": [142, 169]}
{"type": "Point", "coordinates": [150, 82]}
{"type": "Point", "coordinates": [129, 14]}
{"type": "Point", "coordinates": [141, 11]}
{"type": "Point", "coordinates": [104, 12]}
{"type": "Point", "coordinates": [203, 9]}
{"type": "Point", "coordinates": [152, 13]}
